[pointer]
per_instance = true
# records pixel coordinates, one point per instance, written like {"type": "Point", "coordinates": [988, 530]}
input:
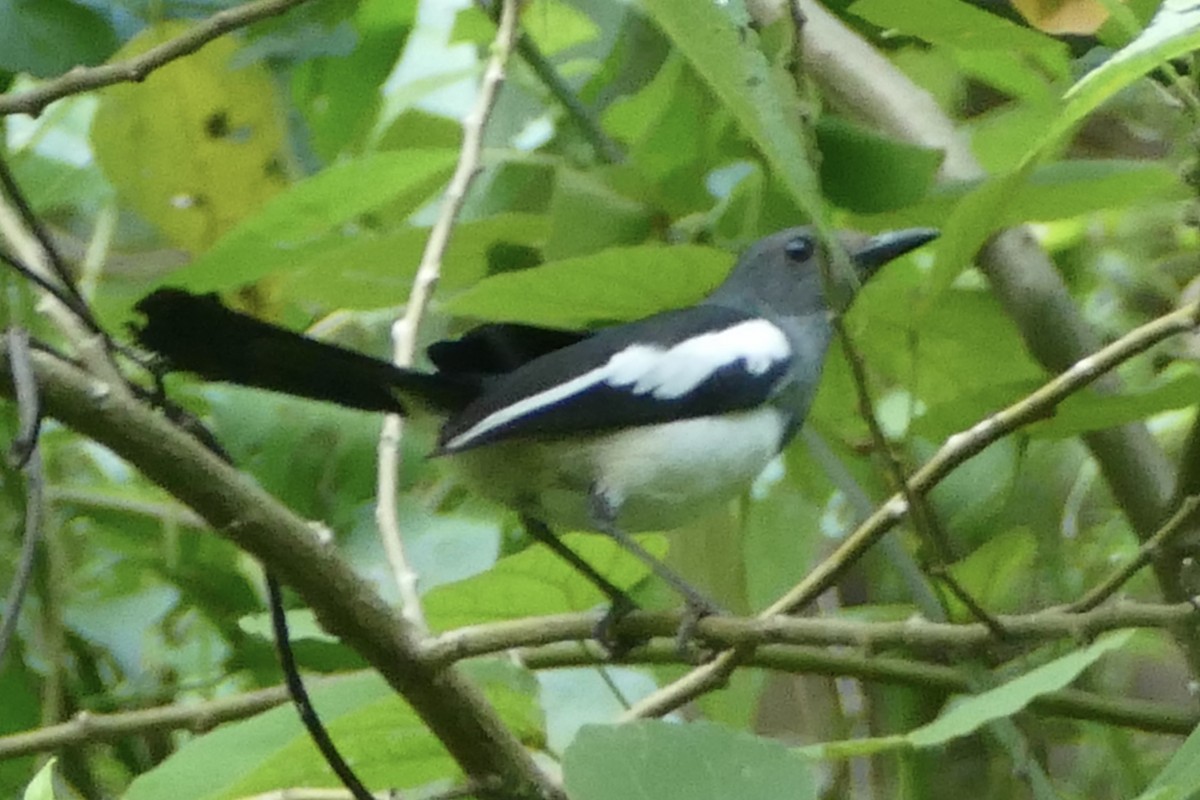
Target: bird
{"type": "Point", "coordinates": [635, 427]}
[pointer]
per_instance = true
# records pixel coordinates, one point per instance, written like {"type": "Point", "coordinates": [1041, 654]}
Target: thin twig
{"type": "Point", "coordinates": [29, 457]}
{"type": "Point", "coordinates": [66, 292]}
{"type": "Point", "coordinates": [301, 700]}
{"type": "Point", "coordinates": [1178, 523]}
{"type": "Point", "coordinates": [89, 728]}
{"type": "Point", "coordinates": [83, 79]}
{"type": "Point", "coordinates": [606, 149]}
{"type": "Point", "coordinates": [947, 579]}
{"type": "Point", "coordinates": [29, 405]}
{"type": "Point", "coordinates": [956, 450]}
{"type": "Point", "coordinates": [166, 512]}
{"type": "Point", "coordinates": [922, 517]}
{"type": "Point", "coordinates": [404, 331]}
{"type": "Point", "coordinates": [36, 257]}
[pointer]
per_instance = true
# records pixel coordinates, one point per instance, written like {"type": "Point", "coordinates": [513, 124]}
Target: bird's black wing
{"type": "Point", "coordinates": [694, 362]}
{"type": "Point", "coordinates": [499, 347]}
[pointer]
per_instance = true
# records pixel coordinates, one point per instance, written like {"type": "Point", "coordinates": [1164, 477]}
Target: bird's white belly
{"type": "Point", "coordinates": [656, 476]}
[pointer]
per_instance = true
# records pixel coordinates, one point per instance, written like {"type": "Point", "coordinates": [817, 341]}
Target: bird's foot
{"type": "Point", "coordinates": [695, 608]}
{"type": "Point", "coordinates": [616, 644]}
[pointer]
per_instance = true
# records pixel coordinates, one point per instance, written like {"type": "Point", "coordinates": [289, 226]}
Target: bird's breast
{"type": "Point", "coordinates": [656, 477]}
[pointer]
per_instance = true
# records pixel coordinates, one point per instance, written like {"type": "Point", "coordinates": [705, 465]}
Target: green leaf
{"type": "Point", "coordinates": [308, 220]}
{"type": "Point", "coordinates": [1010, 72]}
{"type": "Point", "coordinates": [1060, 190]}
{"type": "Point", "coordinates": [761, 97]}
{"type": "Point", "coordinates": [866, 172]}
{"type": "Point", "coordinates": [696, 761]}
{"type": "Point", "coordinates": [48, 37]}
{"type": "Point", "coordinates": [588, 216]}
{"type": "Point", "coordinates": [1055, 191]}
{"type": "Point", "coordinates": [956, 24]}
{"type": "Point", "coordinates": [672, 136]}
{"type": "Point", "coordinates": [972, 713]}
{"type": "Point", "coordinates": [553, 26]}
{"type": "Point", "coordinates": [1000, 573]}
{"type": "Point", "coordinates": [967, 716]}
{"type": "Point", "coordinates": [1180, 778]}
{"type": "Point", "coordinates": [340, 93]}
{"type": "Point", "coordinates": [383, 738]}
{"type": "Point", "coordinates": [537, 582]}
{"type": "Point", "coordinates": [228, 122]}
{"type": "Point", "coordinates": [1091, 411]}
{"type": "Point", "coordinates": [369, 270]}
{"type": "Point", "coordinates": [1173, 32]}
{"type": "Point", "coordinates": [621, 283]}
{"type": "Point", "coordinates": [42, 785]}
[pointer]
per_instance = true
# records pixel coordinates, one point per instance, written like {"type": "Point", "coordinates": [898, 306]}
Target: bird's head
{"type": "Point", "coordinates": [789, 272]}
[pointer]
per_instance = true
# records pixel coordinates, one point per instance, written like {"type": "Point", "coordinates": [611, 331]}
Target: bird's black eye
{"type": "Point", "coordinates": [800, 248]}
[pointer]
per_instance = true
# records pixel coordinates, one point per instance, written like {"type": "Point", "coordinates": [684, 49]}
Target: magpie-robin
{"type": "Point", "coordinates": [639, 426]}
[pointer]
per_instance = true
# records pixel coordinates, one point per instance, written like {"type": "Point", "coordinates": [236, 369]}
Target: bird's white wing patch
{"type": "Point", "coordinates": [668, 373]}
{"type": "Point", "coordinates": [665, 373]}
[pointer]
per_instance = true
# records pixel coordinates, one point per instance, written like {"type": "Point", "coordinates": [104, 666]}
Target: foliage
{"type": "Point", "coordinates": [296, 165]}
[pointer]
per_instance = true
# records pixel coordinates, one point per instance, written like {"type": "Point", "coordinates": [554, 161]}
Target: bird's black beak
{"type": "Point", "coordinates": [885, 247]}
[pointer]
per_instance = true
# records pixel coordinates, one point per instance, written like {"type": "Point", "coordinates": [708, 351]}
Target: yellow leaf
{"type": "Point", "coordinates": [1063, 16]}
{"type": "Point", "coordinates": [198, 145]}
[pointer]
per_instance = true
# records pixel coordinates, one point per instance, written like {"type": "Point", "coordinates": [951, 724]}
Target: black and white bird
{"type": "Point", "coordinates": [635, 427]}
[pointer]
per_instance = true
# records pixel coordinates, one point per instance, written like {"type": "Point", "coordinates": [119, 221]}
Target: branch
{"type": "Point", "coordinates": [957, 449]}
{"type": "Point", "coordinates": [133, 70]}
{"type": "Point", "coordinates": [88, 728]}
{"type": "Point", "coordinates": [404, 331]}
{"type": "Point", "coordinates": [26, 454]}
{"type": "Point", "coordinates": [345, 604]}
{"type": "Point", "coordinates": [788, 645]}
{"type": "Point", "coordinates": [1073, 703]}
{"type": "Point", "coordinates": [933, 639]}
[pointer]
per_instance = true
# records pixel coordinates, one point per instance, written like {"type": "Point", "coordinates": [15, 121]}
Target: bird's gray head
{"type": "Point", "coordinates": [783, 272]}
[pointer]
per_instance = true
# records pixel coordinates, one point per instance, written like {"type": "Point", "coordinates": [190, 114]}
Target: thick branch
{"type": "Point", "coordinates": [345, 604]}
{"type": "Point", "coordinates": [83, 79]}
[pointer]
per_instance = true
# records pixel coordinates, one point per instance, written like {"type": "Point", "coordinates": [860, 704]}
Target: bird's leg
{"type": "Point", "coordinates": [697, 605]}
{"type": "Point", "coordinates": [620, 603]}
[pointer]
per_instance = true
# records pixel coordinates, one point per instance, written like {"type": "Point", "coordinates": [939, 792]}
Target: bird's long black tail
{"type": "Point", "coordinates": [198, 334]}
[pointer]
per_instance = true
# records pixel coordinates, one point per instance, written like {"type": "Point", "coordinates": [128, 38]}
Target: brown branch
{"type": "Point", "coordinates": [345, 604]}
{"type": "Point", "coordinates": [133, 70]}
{"type": "Point", "coordinates": [957, 449]}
